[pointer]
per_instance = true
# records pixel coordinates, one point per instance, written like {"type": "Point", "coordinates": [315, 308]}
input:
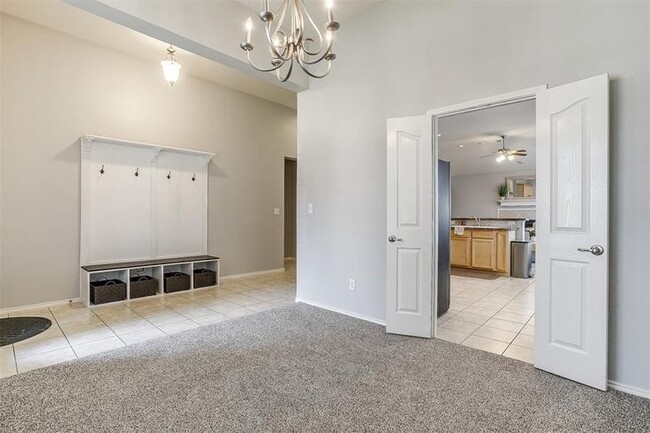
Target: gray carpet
{"type": "Point", "coordinates": [299, 368]}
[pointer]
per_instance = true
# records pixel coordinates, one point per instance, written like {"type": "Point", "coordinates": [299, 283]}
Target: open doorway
{"type": "Point", "coordinates": [290, 179]}
{"type": "Point", "coordinates": [571, 272]}
{"type": "Point", "coordinates": [486, 229]}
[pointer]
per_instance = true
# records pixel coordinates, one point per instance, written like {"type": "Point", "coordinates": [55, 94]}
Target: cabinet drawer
{"type": "Point", "coordinates": [466, 234]}
{"type": "Point", "coordinates": [483, 234]}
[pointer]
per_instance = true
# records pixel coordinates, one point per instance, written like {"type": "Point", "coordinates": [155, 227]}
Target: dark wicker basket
{"type": "Point", "coordinates": [103, 291]}
{"type": "Point", "coordinates": [204, 278]}
{"type": "Point", "coordinates": [143, 285]}
{"type": "Point", "coordinates": [176, 282]}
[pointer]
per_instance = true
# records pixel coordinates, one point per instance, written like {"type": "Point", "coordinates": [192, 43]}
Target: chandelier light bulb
{"type": "Point", "coordinates": [330, 10]}
{"type": "Point", "coordinates": [249, 29]}
{"type": "Point", "coordinates": [511, 157]}
{"type": "Point", "coordinates": [501, 158]}
{"type": "Point", "coordinates": [171, 68]}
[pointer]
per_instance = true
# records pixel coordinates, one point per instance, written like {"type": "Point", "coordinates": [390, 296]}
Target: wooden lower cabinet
{"type": "Point", "coordinates": [481, 249]}
{"type": "Point", "coordinates": [460, 251]}
{"type": "Point", "coordinates": [484, 254]}
{"type": "Point", "coordinates": [503, 251]}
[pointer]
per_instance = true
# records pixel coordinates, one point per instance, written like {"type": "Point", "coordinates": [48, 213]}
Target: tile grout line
{"type": "Point", "coordinates": [493, 316]}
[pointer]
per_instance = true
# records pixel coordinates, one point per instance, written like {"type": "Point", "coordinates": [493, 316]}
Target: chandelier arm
{"type": "Point", "coordinates": [320, 35]}
{"type": "Point", "coordinates": [304, 68]}
{"type": "Point", "coordinates": [250, 62]}
{"type": "Point", "coordinates": [274, 51]}
{"type": "Point", "coordinates": [313, 62]}
{"type": "Point", "coordinates": [286, 77]}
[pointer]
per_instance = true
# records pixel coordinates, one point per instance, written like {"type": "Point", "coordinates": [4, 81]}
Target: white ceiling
{"type": "Point", "coordinates": [65, 18]}
{"type": "Point", "coordinates": [344, 10]}
{"type": "Point", "coordinates": [478, 131]}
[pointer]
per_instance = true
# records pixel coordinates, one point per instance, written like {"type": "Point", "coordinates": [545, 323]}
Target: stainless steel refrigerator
{"type": "Point", "coordinates": [444, 236]}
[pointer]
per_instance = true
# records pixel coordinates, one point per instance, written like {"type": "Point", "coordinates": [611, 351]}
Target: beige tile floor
{"type": "Point", "coordinates": [491, 313]}
{"type": "Point", "coordinates": [78, 331]}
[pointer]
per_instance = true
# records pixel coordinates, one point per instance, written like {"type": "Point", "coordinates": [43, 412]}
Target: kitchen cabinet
{"type": "Point", "coordinates": [482, 249]}
{"type": "Point", "coordinates": [460, 250]}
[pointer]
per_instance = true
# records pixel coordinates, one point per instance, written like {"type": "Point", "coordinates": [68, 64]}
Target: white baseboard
{"type": "Point", "coordinates": [645, 393]}
{"type": "Point", "coordinates": [250, 274]}
{"type": "Point", "coordinates": [41, 305]}
{"type": "Point", "coordinates": [341, 311]}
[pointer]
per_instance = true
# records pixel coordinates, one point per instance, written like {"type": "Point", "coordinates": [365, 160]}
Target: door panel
{"type": "Point", "coordinates": [409, 225]}
{"type": "Point", "coordinates": [572, 282]}
{"type": "Point", "coordinates": [502, 251]}
{"type": "Point", "coordinates": [460, 251]}
{"type": "Point", "coordinates": [483, 253]}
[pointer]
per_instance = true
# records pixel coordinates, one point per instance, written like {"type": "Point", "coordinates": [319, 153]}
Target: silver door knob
{"type": "Point", "coordinates": [392, 238]}
{"type": "Point", "coordinates": [596, 250]}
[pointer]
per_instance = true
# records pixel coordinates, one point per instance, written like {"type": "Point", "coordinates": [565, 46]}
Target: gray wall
{"type": "Point", "coordinates": [402, 58]}
{"type": "Point", "coordinates": [476, 194]}
{"type": "Point", "coordinates": [56, 88]}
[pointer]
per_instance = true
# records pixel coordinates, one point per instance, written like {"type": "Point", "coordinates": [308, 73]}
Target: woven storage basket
{"type": "Point", "coordinates": [105, 290]}
{"type": "Point", "coordinates": [204, 278]}
{"type": "Point", "coordinates": [176, 282]}
{"type": "Point", "coordinates": [143, 285]}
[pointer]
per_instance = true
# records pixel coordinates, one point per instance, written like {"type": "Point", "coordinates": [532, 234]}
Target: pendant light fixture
{"type": "Point", "coordinates": [296, 41]}
{"type": "Point", "coordinates": [171, 68]}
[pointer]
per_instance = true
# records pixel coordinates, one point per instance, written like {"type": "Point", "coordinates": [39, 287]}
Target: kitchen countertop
{"type": "Point", "coordinates": [491, 219]}
{"type": "Point", "coordinates": [485, 227]}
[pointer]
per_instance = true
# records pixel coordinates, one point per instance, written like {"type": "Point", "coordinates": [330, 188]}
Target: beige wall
{"type": "Point", "coordinates": [56, 87]}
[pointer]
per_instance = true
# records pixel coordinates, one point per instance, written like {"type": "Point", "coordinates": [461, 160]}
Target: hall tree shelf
{"type": "Point", "coordinates": [144, 210]}
{"type": "Point", "coordinates": [153, 268]}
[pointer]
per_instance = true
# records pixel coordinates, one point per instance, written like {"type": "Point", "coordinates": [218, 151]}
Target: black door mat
{"type": "Point", "coordinates": [15, 329]}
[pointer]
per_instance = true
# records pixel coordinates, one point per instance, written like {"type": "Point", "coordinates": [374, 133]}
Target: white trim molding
{"type": "Point", "coordinates": [40, 305]}
{"type": "Point", "coordinates": [341, 311]}
{"type": "Point", "coordinates": [251, 274]}
{"type": "Point", "coordinates": [639, 392]}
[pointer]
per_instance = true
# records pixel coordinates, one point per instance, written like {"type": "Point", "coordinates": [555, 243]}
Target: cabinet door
{"type": "Point", "coordinates": [460, 251]}
{"type": "Point", "coordinates": [503, 251]}
{"type": "Point", "coordinates": [483, 253]}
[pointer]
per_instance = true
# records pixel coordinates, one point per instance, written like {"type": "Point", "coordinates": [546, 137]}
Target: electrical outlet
{"type": "Point", "coordinates": [310, 208]}
{"type": "Point", "coordinates": [352, 285]}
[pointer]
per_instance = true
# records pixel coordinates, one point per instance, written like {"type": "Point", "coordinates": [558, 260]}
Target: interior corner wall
{"type": "Point", "coordinates": [476, 194]}
{"type": "Point", "coordinates": [56, 87]}
{"type": "Point", "coordinates": [403, 58]}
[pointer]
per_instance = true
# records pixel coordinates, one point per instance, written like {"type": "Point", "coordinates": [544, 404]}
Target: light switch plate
{"type": "Point", "coordinates": [276, 211]}
{"type": "Point", "coordinates": [310, 208]}
{"type": "Point", "coordinates": [352, 285]}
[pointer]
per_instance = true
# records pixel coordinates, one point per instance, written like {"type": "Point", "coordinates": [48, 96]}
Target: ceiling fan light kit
{"type": "Point", "coordinates": [505, 153]}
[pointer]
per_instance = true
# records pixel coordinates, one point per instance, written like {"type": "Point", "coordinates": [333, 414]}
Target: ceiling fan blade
{"type": "Point", "coordinates": [520, 152]}
{"type": "Point", "coordinates": [490, 155]}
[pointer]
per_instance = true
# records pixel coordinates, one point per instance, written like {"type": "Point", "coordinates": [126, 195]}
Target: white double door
{"type": "Point", "coordinates": [572, 230]}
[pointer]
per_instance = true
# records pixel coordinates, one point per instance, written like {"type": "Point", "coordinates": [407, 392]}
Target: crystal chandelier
{"type": "Point", "coordinates": [297, 41]}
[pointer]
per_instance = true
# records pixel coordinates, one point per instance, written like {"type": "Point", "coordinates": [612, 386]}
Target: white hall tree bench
{"type": "Point", "coordinates": [144, 220]}
{"type": "Point", "coordinates": [154, 269]}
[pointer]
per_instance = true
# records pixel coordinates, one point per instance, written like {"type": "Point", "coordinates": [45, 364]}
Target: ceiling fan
{"type": "Point", "coordinates": [505, 153]}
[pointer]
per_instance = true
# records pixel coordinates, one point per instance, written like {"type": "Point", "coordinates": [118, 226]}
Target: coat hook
{"type": "Point", "coordinates": [137, 172]}
{"type": "Point", "coordinates": [193, 177]}
{"type": "Point", "coordinates": [169, 175]}
{"type": "Point", "coordinates": [102, 171]}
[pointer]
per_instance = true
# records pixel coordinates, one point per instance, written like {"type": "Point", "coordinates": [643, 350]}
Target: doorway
{"type": "Point", "coordinates": [571, 293]}
{"type": "Point", "coordinates": [486, 221]}
{"type": "Point", "coordinates": [290, 180]}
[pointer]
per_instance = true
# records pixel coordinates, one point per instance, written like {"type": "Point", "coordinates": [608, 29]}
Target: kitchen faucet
{"type": "Point", "coordinates": [477, 220]}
